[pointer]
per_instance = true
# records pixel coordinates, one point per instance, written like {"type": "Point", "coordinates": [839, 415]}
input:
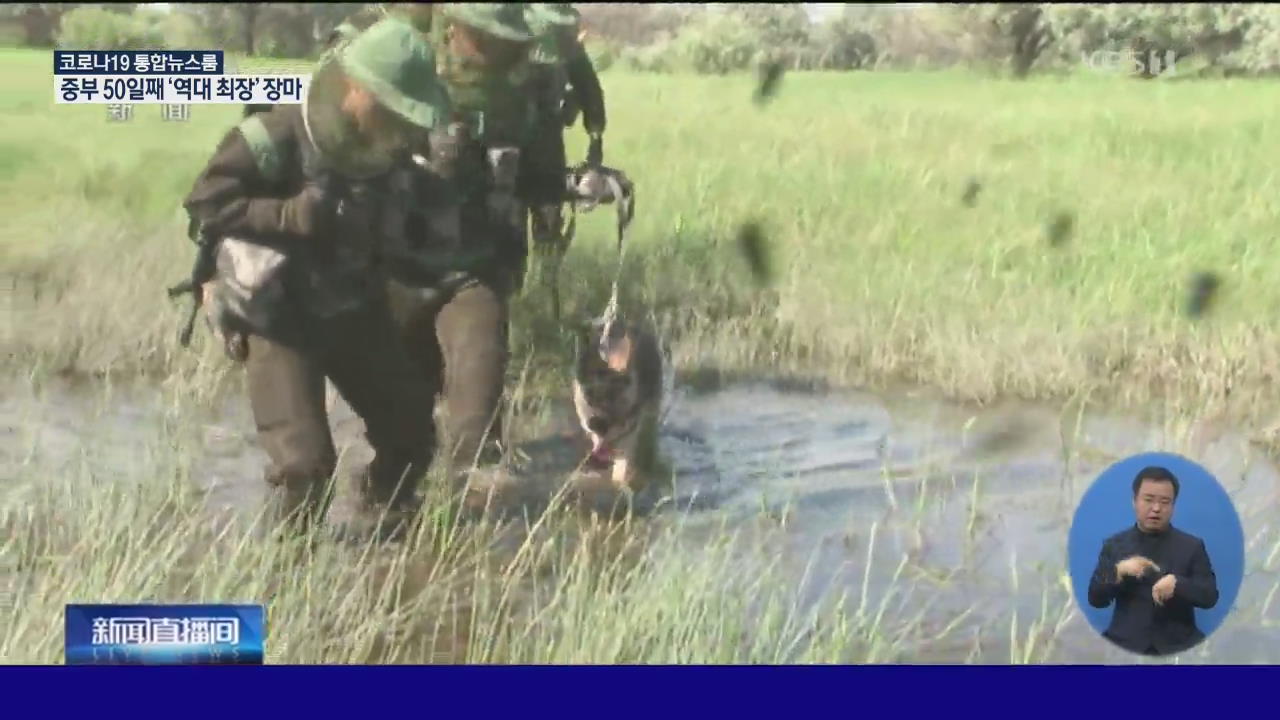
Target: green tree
{"type": "Point", "coordinates": [291, 30]}
{"type": "Point", "coordinates": [1016, 34]}
{"type": "Point", "coordinates": [847, 41]}
{"type": "Point", "coordinates": [717, 43]}
{"type": "Point", "coordinates": [38, 21]}
{"type": "Point", "coordinates": [1213, 36]}
{"type": "Point", "coordinates": [635, 25]}
{"type": "Point", "coordinates": [98, 28]}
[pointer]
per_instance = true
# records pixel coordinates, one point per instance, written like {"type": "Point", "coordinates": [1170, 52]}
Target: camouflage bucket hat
{"type": "Point", "coordinates": [394, 63]}
{"type": "Point", "coordinates": [419, 15]}
{"type": "Point", "coordinates": [349, 28]}
{"type": "Point", "coordinates": [503, 20]}
{"type": "Point", "coordinates": [548, 20]}
{"type": "Point", "coordinates": [543, 17]}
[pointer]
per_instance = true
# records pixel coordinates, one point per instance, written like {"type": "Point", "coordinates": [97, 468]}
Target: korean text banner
{"type": "Point", "coordinates": [165, 634]}
{"type": "Point", "coordinates": [138, 62]}
{"type": "Point", "coordinates": [184, 90]}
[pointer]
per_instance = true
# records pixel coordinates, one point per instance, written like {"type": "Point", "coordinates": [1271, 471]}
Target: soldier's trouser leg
{"type": "Point", "coordinates": [545, 210]}
{"type": "Point", "coordinates": [286, 393]}
{"type": "Point", "coordinates": [462, 347]}
{"type": "Point", "coordinates": [367, 363]}
{"type": "Point", "coordinates": [545, 224]}
{"type": "Point", "coordinates": [362, 355]}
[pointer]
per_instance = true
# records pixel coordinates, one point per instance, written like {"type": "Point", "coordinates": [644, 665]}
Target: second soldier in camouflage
{"type": "Point", "coordinates": [564, 84]}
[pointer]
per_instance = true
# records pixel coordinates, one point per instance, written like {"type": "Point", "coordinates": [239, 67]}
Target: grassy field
{"type": "Point", "coordinates": [882, 276]}
{"type": "Point", "coordinates": [883, 273]}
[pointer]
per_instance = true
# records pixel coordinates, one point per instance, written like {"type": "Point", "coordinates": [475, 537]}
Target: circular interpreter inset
{"type": "Point", "coordinates": [1156, 554]}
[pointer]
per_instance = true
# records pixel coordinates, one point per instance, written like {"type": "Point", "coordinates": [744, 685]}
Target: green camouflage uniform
{"type": "Point", "coordinates": [467, 228]}
{"type": "Point", "coordinates": [270, 195]}
{"type": "Point", "coordinates": [560, 63]}
{"type": "Point", "coordinates": [456, 323]}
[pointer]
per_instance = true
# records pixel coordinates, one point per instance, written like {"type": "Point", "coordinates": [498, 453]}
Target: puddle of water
{"type": "Point", "coordinates": [953, 489]}
{"type": "Point", "coordinates": [979, 502]}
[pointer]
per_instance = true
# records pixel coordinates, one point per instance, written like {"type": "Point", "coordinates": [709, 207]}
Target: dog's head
{"type": "Point", "coordinates": [605, 374]}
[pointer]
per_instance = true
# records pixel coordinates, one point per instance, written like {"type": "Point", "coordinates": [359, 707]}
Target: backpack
{"type": "Point", "coordinates": [240, 279]}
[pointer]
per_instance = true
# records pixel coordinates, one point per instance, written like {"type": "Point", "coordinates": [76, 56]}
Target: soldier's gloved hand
{"type": "Point", "coordinates": [357, 212]}
{"type": "Point", "coordinates": [595, 151]}
{"type": "Point", "coordinates": [309, 212]}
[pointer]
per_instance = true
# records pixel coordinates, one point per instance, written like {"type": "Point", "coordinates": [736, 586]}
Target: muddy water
{"type": "Point", "coordinates": [973, 505]}
{"type": "Point", "coordinates": [970, 497]}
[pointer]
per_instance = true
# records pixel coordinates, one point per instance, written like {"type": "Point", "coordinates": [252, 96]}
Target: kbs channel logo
{"type": "Point", "coordinates": [164, 635]}
{"type": "Point", "coordinates": [1152, 63]}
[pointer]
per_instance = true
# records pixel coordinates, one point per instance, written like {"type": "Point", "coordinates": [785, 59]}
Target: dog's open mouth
{"type": "Point", "coordinates": [601, 456]}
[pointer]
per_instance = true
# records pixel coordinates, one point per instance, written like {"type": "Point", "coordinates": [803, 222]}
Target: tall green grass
{"type": "Point", "coordinates": [884, 274]}
{"type": "Point", "coordinates": [558, 587]}
{"type": "Point", "coordinates": [120, 521]}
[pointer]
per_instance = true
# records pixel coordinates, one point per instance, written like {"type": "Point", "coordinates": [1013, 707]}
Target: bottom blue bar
{"type": "Point", "coordinates": [856, 691]}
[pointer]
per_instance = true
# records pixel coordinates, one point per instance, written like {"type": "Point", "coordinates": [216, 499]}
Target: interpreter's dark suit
{"type": "Point", "coordinates": [1138, 623]}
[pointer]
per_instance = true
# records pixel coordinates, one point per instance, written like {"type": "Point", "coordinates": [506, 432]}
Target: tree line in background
{"type": "Point", "coordinates": [284, 30]}
{"type": "Point", "coordinates": [1018, 38]}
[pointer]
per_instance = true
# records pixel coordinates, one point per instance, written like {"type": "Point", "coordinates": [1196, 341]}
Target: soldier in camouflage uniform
{"type": "Point", "coordinates": [564, 84]}
{"type": "Point", "coordinates": [479, 176]}
{"type": "Point", "coordinates": [291, 199]}
{"type": "Point", "coordinates": [454, 313]}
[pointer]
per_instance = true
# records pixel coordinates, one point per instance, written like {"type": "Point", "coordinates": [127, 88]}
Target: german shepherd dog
{"type": "Point", "coordinates": [618, 389]}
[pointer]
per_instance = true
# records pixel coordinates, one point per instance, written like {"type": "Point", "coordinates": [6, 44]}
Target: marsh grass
{"type": "Point", "coordinates": [560, 587]}
{"type": "Point", "coordinates": [115, 523]}
{"type": "Point", "coordinates": [883, 274]}
{"type": "Point", "coordinates": [122, 522]}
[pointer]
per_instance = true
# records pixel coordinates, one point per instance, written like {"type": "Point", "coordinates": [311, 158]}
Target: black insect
{"type": "Point", "coordinates": [770, 78]}
{"type": "Point", "coordinates": [970, 197]}
{"type": "Point", "coordinates": [1060, 229]}
{"type": "Point", "coordinates": [1204, 287]}
{"type": "Point", "coordinates": [755, 249]}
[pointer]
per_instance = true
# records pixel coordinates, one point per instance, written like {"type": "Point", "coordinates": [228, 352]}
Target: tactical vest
{"type": "Point", "coordinates": [453, 216]}
{"type": "Point", "coordinates": [332, 278]}
{"type": "Point", "coordinates": [549, 77]}
{"type": "Point", "coordinates": [468, 195]}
